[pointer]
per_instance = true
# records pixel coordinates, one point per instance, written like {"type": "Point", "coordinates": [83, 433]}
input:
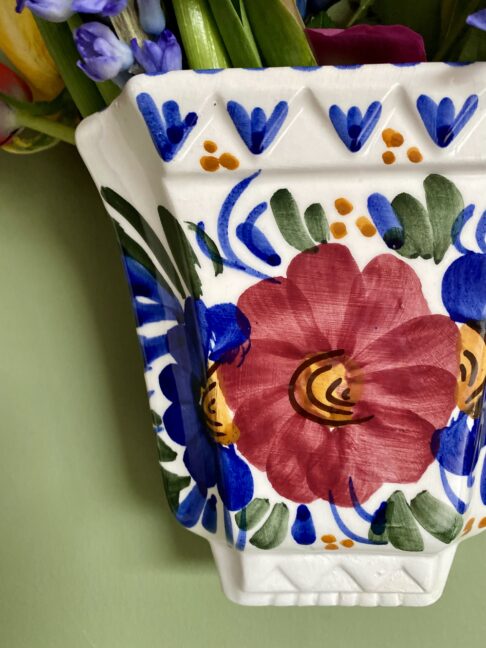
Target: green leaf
{"type": "Point", "coordinates": [202, 43]}
{"type": "Point", "coordinates": [173, 485]}
{"type": "Point", "coordinates": [39, 108]}
{"type": "Point", "coordinates": [273, 532]}
{"type": "Point", "coordinates": [320, 21]}
{"type": "Point", "coordinates": [156, 419]}
{"type": "Point", "coordinates": [216, 257]}
{"type": "Point", "coordinates": [361, 12]}
{"type": "Point", "coordinates": [236, 32]}
{"type": "Point", "coordinates": [26, 141]}
{"type": "Point", "coordinates": [166, 453]}
{"type": "Point", "coordinates": [419, 238]}
{"type": "Point", "coordinates": [439, 519]}
{"type": "Point", "coordinates": [181, 250]}
{"type": "Point", "coordinates": [473, 48]}
{"type": "Point", "coordinates": [251, 515]}
{"type": "Point", "coordinates": [453, 24]}
{"type": "Point", "coordinates": [137, 221]}
{"type": "Point", "coordinates": [316, 221]}
{"type": "Point", "coordinates": [289, 222]}
{"type": "Point", "coordinates": [402, 529]}
{"type": "Point", "coordinates": [279, 36]}
{"type": "Point", "coordinates": [444, 204]}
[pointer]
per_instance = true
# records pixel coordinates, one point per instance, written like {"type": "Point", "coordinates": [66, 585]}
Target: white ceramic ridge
{"type": "Point", "coordinates": [306, 252]}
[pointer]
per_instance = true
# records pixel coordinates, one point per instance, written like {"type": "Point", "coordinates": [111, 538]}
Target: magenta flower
{"type": "Point", "coordinates": [367, 44]}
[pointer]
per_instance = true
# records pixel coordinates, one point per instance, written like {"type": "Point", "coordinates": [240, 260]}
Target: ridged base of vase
{"type": "Point", "coordinates": [364, 579]}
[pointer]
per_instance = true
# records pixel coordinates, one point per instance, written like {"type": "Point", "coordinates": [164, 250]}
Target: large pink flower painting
{"type": "Point", "coordinates": [348, 376]}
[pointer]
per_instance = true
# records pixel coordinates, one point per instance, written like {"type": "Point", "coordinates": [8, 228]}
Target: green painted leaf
{"type": "Point", "coordinates": [274, 530]}
{"type": "Point", "coordinates": [251, 515]}
{"type": "Point", "coordinates": [436, 517]}
{"type": "Point", "coordinates": [320, 21]}
{"type": "Point", "coordinates": [173, 485]}
{"type": "Point", "coordinates": [137, 221]}
{"type": "Point", "coordinates": [156, 419]}
{"type": "Point", "coordinates": [444, 204]}
{"type": "Point", "coordinates": [289, 222]}
{"type": "Point", "coordinates": [413, 216]}
{"type": "Point", "coordinates": [216, 257]}
{"type": "Point", "coordinates": [166, 453]}
{"type": "Point", "coordinates": [182, 251]}
{"type": "Point", "coordinates": [402, 529]}
{"type": "Point", "coordinates": [232, 21]}
{"type": "Point", "coordinates": [316, 221]}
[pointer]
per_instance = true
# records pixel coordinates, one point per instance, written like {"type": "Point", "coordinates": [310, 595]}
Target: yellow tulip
{"type": "Point", "coordinates": [22, 44]}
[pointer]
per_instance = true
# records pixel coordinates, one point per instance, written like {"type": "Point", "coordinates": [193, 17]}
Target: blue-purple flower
{"type": "Point", "coordinates": [477, 20]}
{"type": "Point", "coordinates": [104, 56]}
{"type": "Point", "coordinates": [152, 18]}
{"type": "Point", "coordinates": [160, 56]}
{"type": "Point", "coordinates": [52, 10]}
{"type": "Point", "coordinates": [103, 7]}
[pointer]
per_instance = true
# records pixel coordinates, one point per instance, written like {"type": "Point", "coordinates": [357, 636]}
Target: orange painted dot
{"type": "Point", "coordinates": [210, 146]}
{"type": "Point", "coordinates": [347, 543]}
{"type": "Point", "coordinates": [209, 163]}
{"type": "Point", "coordinates": [392, 138]}
{"type": "Point", "coordinates": [365, 226]}
{"type": "Point", "coordinates": [331, 547]}
{"type": "Point", "coordinates": [338, 230]}
{"type": "Point", "coordinates": [229, 161]}
{"type": "Point", "coordinates": [482, 523]}
{"type": "Point", "coordinates": [343, 206]}
{"type": "Point", "coordinates": [468, 526]}
{"type": "Point", "coordinates": [389, 157]}
{"type": "Point", "coordinates": [328, 538]}
{"type": "Point", "coordinates": [414, 155]}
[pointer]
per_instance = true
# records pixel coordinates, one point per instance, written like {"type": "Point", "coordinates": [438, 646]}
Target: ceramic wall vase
{"type": "Point", "coordinates": [306, 250]}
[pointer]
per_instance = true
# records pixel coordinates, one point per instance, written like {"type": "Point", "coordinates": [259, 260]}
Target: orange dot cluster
{"type": "Point", "coordinates": [395, 139]}
{"type": "Point", "coordinates": [339, 230]}
{"type": "Point", "coordinates": [330, 542]}
{"type": "Point", "coordinates": [211, 163]}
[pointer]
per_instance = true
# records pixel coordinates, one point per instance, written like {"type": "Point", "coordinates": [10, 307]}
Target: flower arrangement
{"type": "Point", "coordinates": [66, 59]}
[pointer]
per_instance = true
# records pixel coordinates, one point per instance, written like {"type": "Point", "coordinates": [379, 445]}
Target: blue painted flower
{"type": "Point", "coordinates": [168, 130]}
{"type": "Point", "coordinates": [104, 55]}
{"type": "Point", "coordinates": [256, 130]}
{"type": "Point", "coordinates": [354, 129]}
{"type": "Point", "coordinates": [103, 7]}
{"type": "Point", "coordinates": [477, 20]}
{"type": "Point", "coordinates": [303, 530]}
{"type": "Point", "coordinates": [441, 121]}
{"type": "Point", "coordinates": [152, 17]}
{"type": "Point", "coordinates": [464, 288]}
{"type": "Point", "coordinates": [52, 10]}
{"type": "Point", "coordinates": [160, 56]}
{"type": "Point", "coordinates": [457, 446]}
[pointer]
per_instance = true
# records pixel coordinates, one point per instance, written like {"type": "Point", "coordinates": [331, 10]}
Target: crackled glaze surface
{"type": "Point", "coordinates": [306, 250]}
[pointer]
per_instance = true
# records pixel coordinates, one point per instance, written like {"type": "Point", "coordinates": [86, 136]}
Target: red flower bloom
{"type": "Point", "coordinates": [13, 86]}
{"type": "Point", "coordinates": [348, 376]}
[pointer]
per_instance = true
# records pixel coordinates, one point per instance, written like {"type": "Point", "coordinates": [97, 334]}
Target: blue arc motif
{"type": "Point", "coordinates": [256, 130]}
{"type": "Point", "coordinates": [441, 121]}
{"type": "Point", "coordinates": [353, 128]}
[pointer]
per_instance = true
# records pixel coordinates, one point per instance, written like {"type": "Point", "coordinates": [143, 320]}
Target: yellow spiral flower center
{"type": "Point", "coordinates": [217, 415]}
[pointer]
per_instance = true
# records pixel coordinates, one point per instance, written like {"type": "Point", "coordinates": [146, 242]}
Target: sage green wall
{"type": "Point", "coordinates": [89, 555]}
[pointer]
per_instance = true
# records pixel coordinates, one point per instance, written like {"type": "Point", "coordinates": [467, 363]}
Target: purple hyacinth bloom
{"type": "Point", "coordinates": [152, 18]}
{"type": "Point", "coordinates": [103, 7]}
{"type": "Point", "coordinates": [477, 20]}
{"type": "Point", "coordinates": [104, 56]}
{"type": "Point", "coordinates": [160, 56]}
{"type": "Point", "coordinates": [52, 10]}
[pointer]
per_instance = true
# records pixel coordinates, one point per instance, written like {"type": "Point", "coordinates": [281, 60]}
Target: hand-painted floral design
{"type": "Point", "coordinates": [349, 372]}
{"type": "Point", "coordinates": [353, 127]}
{"type": "Point", "coordinates": [441, 121]}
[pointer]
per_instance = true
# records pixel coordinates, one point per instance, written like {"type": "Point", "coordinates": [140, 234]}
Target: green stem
{"type": "Point", "coordinates": [360, 12]}
{"type": "Point", "coordinates": [109, 91]}
{"type": "Point", "coordinates": [454, 31]}
{"type": "Point", "coordinates": [59, 41]}
{"type": "Point", "coordinates": [42, 125]}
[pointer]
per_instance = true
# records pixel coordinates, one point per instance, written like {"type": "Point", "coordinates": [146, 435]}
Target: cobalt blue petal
{"type": "Point", "coordinates": [370, 120]}
{"type": "Point", "coordinates": [175, 418]}
{"type": "Point", "coordinates": [275, 123]}
{"type": "Point", "coordinates": [210, 515]}
{"type": "Point", "coordinates": [241, 120]}
{"type": "Point", "coordinates": [340, 122]}
{"type": "Point", "coordinates": [482, 486]}
{"type": "Point", "coordinates": [428, 112]}
{"type": "Point", "coordinates": [481, 233]}
{"type": "Point", "coordinates": [257, 132]}
{"type": "Point", "coordinates": [154, 347]}
{"type": "Point", "coordinates": [303, 530]}
{"type": "Point", "coordinates": [258, 244]}
{"type": "Point", "coordinates": [464, 288]}
{"type": "Point", "coordinates": [354, 129]}
{"type": "Point", "coordinates": [355, 117]}
{"type": "Point", "coordinates": [200, 455]}
{"type": "Point", "coordinates": [190, 509]}
{"type": "Point", "coordinates": [441, 121]}
{"type": "Point", "coordinates": [466, 215]}
{"type": "Point", "coordinates": [229, 328]}
{"type": "Point", "coordinates": [445, 120]}
{"type": "Point", "coordinates": [457, 447]}
{"type": "Point", "coordinates": [143, 284]}
{"type": "Point", "coordinates": [467, 111]}
{"type": "Point", "coordinates": [235, 482]}
{"type": "Point", "coordinates": [386, 221]}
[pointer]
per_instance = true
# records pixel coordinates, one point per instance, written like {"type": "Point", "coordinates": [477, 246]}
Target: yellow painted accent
{"type": "Point", "coordinates": [217, 414]}
{"type": "Point", "coordinates": [482, 523]}
{"type": "Point", "coordinates": [392, 138]}
{"type": "Point", "coordinates": [210, 146]}
{"type": "Point", "coordinates": [472, 376]}
{"type": "Point", "coordinates": [331, 547]}
{"type": "Point", "coordinates": [468, 526]}
{"type": "Point", "coordinates": [338, 230]}
{"type": "Point", "coordinates": [365, 226]}
{"type": "Point", "coordinates": [328, 538]}
{"type": "Point", "coordinates": [229, 161]}
{"type": "Point", "coordinates": [347, 543]}
{"type": "Point", "coordinates": [343, 206]}
{"type": "Point", "coordinates": [209, 163]}
{"type": "Point", "coordinates": [414, 155]}
{"type": "Point", "coordinates": [389, 157]}
{"type": "Point", "coordinates": [22, 44]}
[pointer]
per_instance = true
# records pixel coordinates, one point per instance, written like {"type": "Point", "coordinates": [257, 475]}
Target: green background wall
{"type": "Point", "coordinates": [89, 555]}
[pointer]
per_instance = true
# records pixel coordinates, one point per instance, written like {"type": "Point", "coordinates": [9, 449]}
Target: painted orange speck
{"type": "Point", "coordinates": [468, 526]}
{"type": "Point", "coordinates": [347, 543]}
{"type": "Point", "coordinates": [331, 547]}
{"type": "Point", "coordinates": [389, 157]}
{"type": "Point", "coordinates": [414, 155]}
{"type": "Point", "coordinates": [365, 226]}
{"type": "Point", "coordinates": [328, 538]}
{"type": "Point", "coordinates": [210, 146]}
{"type": "Point", "coordinates": [229, 161]}
{"type": "Point", "coordinates": [482, 523]}
{"type": "Point", "coordinates": [209, 163]}
{"type": "Point", "coordinates": [343, 206]}
{"type": "Point", "coordinates": [392, 138]}
{"type": "Point", "coordinates": [338, 230]}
